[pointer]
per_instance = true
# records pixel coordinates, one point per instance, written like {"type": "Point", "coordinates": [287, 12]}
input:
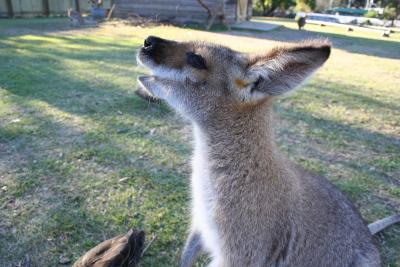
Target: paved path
{"type": "Point", "coordinates": [353, 27]}
{"type": "Point", "coordinates": [255, 26]}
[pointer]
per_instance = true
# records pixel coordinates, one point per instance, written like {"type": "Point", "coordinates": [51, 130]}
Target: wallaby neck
{"type": "Point", "coordinates": [238, 142]}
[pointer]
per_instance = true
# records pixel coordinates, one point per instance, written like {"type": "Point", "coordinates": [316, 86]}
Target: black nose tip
{"type": "Point", "coordinates": [148, 41]}
{"type": "Point", "coordinates": [153, 40]}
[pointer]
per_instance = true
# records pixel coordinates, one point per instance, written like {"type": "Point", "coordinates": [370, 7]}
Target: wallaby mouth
{"type": "Point", "coordinates": [145, 91]}
{"type": "Point", "coordinates": [149, 56]}
{"type": "Point", "coordinates": [164, 58]}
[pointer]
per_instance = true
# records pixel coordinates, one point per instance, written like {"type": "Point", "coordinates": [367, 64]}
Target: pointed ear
{"type": "Point", "coordinates": [284, 68]}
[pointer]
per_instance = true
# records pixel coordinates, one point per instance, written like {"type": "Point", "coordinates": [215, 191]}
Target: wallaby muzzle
{"type": "Point", "coordinates": [154, 47]}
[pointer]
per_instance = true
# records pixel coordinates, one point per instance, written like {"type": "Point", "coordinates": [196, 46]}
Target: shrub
{"type": "Point", "coordinates": [257, 8]}
{"type": "Point", "coordinates": [371, 14]}
{"type": "Point", "coordinates": [389, 13]}
{"type": "Point", "coordinates": [305, 5]}
{"type": "Point", "coordinates": [302, 7]}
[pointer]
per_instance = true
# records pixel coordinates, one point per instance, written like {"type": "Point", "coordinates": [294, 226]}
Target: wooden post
{"type": "Point", "coordinates": [46, 7]}
{"type": "Point", "coordinates": [249, 9]}
{"type": "Point", "coordinates": [10, 11]}
{"type": "Point", "coordinates": [77, 7]}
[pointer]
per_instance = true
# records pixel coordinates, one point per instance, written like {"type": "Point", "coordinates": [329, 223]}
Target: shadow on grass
{"type": "Point", "coordinates": [80, 197]}
{"type": "Point", "coordinates": [349, 96]}
{"type": "Point", "coordinates": [376, 141]}
{"type": "Point", "coordinates": [153, 193]}
{"type": "Point", "coordinates": [37, 26]}
{"type": "Point", "coordinates": [345, 134]}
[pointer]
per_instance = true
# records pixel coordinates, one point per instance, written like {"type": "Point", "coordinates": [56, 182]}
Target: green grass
{"type": "Point", "coordinates": [82, 158]}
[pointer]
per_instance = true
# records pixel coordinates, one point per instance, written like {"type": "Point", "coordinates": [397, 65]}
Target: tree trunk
{"type": "Point", "coordinates": [212, 14]}
{"type": "Point", "coordinates": [46, 7]}
{"type": "Point", "coordinates": [249, 9]}
{"type": "Point", "coordinates": [262, 4]}
{"type": "Point", "coordinates": [77, 6]}
{"type": "Point", "coordinates": [10, 11]}
{"type": "Point", "coordinates": [208, 10]}
{"type": "Point", "coordinates": [270, 11]}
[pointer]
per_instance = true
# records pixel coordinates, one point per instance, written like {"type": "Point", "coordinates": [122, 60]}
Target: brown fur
{"type": "Point", "coordinates": [122, 251]}
{"type": "Point", "coordinates": [265, 210]}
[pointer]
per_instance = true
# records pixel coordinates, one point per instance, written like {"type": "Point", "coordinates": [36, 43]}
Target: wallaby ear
{"type": "Point", "coordinates": [284, 68]}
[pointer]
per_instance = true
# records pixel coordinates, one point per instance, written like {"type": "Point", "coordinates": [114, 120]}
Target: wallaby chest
{"type": "Point", "coordinates": [204, 196]}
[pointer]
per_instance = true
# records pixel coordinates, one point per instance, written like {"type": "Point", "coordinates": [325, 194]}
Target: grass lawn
{"type": "Point", "coordinates": [83, 159]}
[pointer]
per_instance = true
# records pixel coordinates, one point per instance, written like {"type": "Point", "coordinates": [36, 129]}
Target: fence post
{"type": "Point", "coordinates": [10, 11]}
{"type": "Point", "coordinates": [77, 7]}
{"type": "Point", "coordinates": [46, 7]}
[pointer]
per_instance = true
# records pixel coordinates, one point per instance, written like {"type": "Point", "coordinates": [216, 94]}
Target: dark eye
{"type": "Point", "coordinates": [256, 84]}
{"type": "Point", "coordinates": [195, 60]}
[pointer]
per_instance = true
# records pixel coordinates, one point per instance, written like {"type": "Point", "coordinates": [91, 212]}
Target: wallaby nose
{"type": "Point", "coordinates": [154, 40]}
{"type": "Point", "coordinates": [148, 41]}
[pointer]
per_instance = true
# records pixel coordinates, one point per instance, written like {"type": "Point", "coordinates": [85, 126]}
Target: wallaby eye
{"type": "Point", "coordinates": [256, 84]}
{"type": "Point", "coordinates": [195, 60]}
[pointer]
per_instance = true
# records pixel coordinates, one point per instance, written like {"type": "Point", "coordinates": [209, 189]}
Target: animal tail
{"type": "Point", "coordinates": [379, 225]}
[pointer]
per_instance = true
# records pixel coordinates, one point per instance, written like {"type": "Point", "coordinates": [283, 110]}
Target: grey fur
{"type": "Point", "coordinates": [257, 207]}
{"type": "Point", "coordinates": [191, 250]}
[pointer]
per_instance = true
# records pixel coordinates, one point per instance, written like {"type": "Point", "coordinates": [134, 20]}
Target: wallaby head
{"type": "Point", "coordinates": [202, 80]}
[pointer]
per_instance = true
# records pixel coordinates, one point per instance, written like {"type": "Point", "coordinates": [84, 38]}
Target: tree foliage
{"type": "Point", "coordinates": [371, 14]}
{"type": "Point", "coordinates": [389, 13]}
{"type": "Point", "coordinates": [310, 3]}
{"type": "Point", "coordinates": [302, 6]}
{"type": "Point", "coordinates": [268, 7]}
{"type": "Point", "coordinates": [392, 9]}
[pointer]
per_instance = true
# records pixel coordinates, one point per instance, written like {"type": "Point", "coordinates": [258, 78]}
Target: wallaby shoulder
{"type": "Point", "coordinates": [310, 214]}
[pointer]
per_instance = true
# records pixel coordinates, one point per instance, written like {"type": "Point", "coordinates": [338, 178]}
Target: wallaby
{"type": "Point", "coordinates": [251, 206]}
{"type": "Point", "coordinates": [75, 18]}
{"type": "Point", "coordinates": [301, 22]}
